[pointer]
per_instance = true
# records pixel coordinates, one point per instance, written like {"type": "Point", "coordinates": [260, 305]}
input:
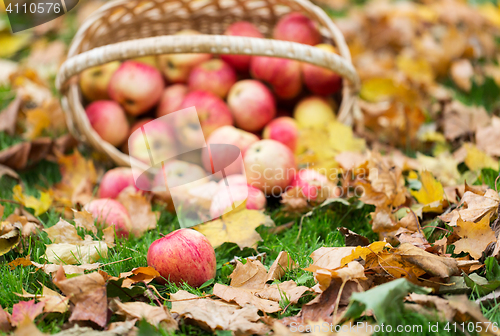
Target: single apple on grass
{"type": "Point", "coordinates": [284, 130]}
{"type": "Point", "coordinates": [284, 75]}
{"type": "Point", "coordinates": [171, 99]}
{"type": "Point", "coordinates": [214, 76]}
{"type": "Point", "coordinates": [313, 112]}
{"type": "Point", "coordinates": [228, 135]}
{"type": "Point", "coordinates": [94, 81]}
{"type": "Point", "coordinates": [269, 166]}
{"type": "Point", "coordinates": [311, 183]}
{"type": "Point", "coordinates": [115, 180]}
{"type": "Point", "coordinates": [296, 27]}
{"type": "Point", "coordinates": [108, 120]}
{"type": "Point", "coordinates": [109, 212]}
{"type": "Point", "coordinates": [319, 80]}
{"type": "Point", "coordinates": [252, 105]}
{"type": "Point", "coordinates": [176, 67]}
{"type": "Point", "coordinates": [136, 86]}
{"type": "Point", "coordinates": [212, 114]}
{"type": "Point", "coordinates": [241, 28]}
{"type": "Point", "coordinates": [183, 256]}
{"type": "Point", "coordinates": [227, 196]}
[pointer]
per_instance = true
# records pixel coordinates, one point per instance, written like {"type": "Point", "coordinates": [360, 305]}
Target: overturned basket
{"type": "Point", "coordinates": [126, 29]}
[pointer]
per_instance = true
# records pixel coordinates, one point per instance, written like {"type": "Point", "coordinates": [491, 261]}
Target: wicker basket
{"type": "Point", "coordinates": [125, 29]}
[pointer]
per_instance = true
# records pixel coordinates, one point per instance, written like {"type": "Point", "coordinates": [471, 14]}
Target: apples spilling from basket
{"type": "Point", "coordinates": [242, 100]}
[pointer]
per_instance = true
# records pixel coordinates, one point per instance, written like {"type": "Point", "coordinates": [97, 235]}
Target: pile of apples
{"type": "Point", "coordinates": [241, 100]}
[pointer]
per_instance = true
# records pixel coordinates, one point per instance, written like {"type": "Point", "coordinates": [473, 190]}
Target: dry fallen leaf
{"type": "Point", "coordinates": [84, 220]}
{"type": "Point", "coordinates": [139, 274]}
{"type": "Point", "coordinates": [216, 315]}
{"type": "Point", "coordinates": [25, 310]}
{"type": "Point", "coordinates": [475, 237]}
{"type": "Point", "coordinates": [4, 321]}
{"type": "Point", "coordinates": [88, 293]}
{"type": "Point", "coordinates": [473, 207]}
{"type": "Point", "coordinates": [68, 269]}
{"type": "Point", "coordinates": [154, 315]}
{"type": "Point", "coordinates": [237, 226]}
{"type": "Point", "coordinates": [138, 207]}
{"type": "Point", "coordinates": [8, 116]}
{"type": "Point", "coordinates": [63, 232]}
{"type": "Point", "coordinates": [40, 205]}
{"type": "Point", "coordinates": [431, 194]}
{"type": "Point", "coordinates": [53, 301]}
{"type": "Point", "coordinates": [462, 72]}
{"type": "Point", "coordinates": [86, 252]}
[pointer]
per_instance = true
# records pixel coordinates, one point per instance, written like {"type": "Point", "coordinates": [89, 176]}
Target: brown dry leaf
{"type": "Point", "coordinates": [248, 286]}
{"type": "Point", "coordinates": [214, 315]}
{"type": "Point", "coordinates": [383, 220]}
{"type": "Point", "coordinates": [4, 321]}
{"type": "Point", "coordinates": [154, 315]}
{"type": "Point", "coordinates": [473, 207]}
{"type": "Point", "coordinates": [353, 270]}
{"type": "Point", "coordinates": [442, 305]}
{"type": "Point", "coordinates": [442, 267]}
{"type": "Point", "coordinates": [142, 217]}
{"type": "Point", "coordinates": [415, 238]}
{"type": "Point", "coordinates": [85, 251]}
{"type": "Point", "coordinates": [488, 137]}
{"type": "Point", "coordinates": [280, 266]}
{"type": "Point", "coordinates": [84, 220]}
{"type": "Point", "coordinates": [139, 274]}
{"type": "Point", "coordinates": [20, 262]}
{"type": "Point", "coordinates": [78, 179]}
{"type": "Point", "coordinates": [443, 166]}
{"type": "Point", "coordinates": [54, 302]}
{"type": "Point", "coordinates": [386, 184]}
{"type": "Point", "coordinates": [25, 310]}
{"type": "Point", "coordinates": [363, 252]}
{"type": "Point", "coordinates": [8, 116]}
{"type": "Point", "coordinates": [352, 238]}
{"type": "Point", "coordinates": [88, 293]}
{"type": "Point", "coordinates": [475, 237]}
{"type": "Point", "coordinates": [109, 236]}
{"type": "Point", "coordinates": [330, 257]}
{"type": "Point", "coordinates": [461, 72]}
{"type": "Point", "coordinates": [63, 232]}
{"type": "Point", "coordinates": [460, 120]}
{"type": "Point", "coordinates": [237, 226]}
{"type": "Point", "coordinates": [28, 328]}
{"type": "Point", "coordinates": [468, 311]}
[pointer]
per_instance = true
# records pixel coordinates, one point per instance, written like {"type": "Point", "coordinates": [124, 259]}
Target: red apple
{"type": "Point", "coordinates": [108, 120]}
{"type": "Point", "coordinates": [235, 195]}
{"type": "Point", "coordinates": [269, 166]}
{"type": "Point", "coordinates": [284, 130]}
{"type": "Point", "coordinates": [184, 255]}
{"type": "Point", "coordinates": [176, 67]}
{"type": "Point", "coordinates": [314, 112]}
{"type": "Point", "coordinates": [310, 182]}
{"type": "Point", "coordinates": [171, 99]}
{"type": "Point", "coordinates": [136, 86]}
{"type": "Point", "coordinates": [161, 140]}
{"type": "Point", "coordinates": [214, 76]}
{"type": "Point", "coordinates": [178, 173]}
{"type": "Point", "coordinates": [284, 75]}
{"type": "Point", "coordinates": [296, 27]}
{"type": "Point", "coordinates": [228, 135]}
{"type": "Point", "coordinates": [115, 180]}
{"type": "Point", "coordinates": [252, 105]}
{"type": "Point", "coordinates": [110, 212]}
{"type": "Point", "coordinates": [135, 126]}
{"type": "Point", "coordinates": [212, 114]}
{"type": "Point", "coordinates": [241, 28]}
{"type": "Point", "coordinates": [94, 81]}
{"type": "Point", "coordinates": [319, 80]}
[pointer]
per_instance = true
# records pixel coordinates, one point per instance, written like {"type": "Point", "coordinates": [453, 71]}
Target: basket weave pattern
{"type": "Point", "coordinates": [125, 29]}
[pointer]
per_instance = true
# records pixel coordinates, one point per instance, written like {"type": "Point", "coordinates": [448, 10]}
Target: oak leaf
{"type": "Point", "coordinates": [237, 226]}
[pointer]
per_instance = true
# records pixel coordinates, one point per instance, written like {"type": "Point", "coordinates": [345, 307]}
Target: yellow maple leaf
{"type": "Point", "coordinates": [418, 70]}
{"type": "Point", "coordinates": [362, 252]}
{"type": "Point", "coordinates": [476, 159]}
{"type": "Point", "coordinates": [475, 236]}
{"type": "Point", "coordinates": [237, 226]}
{"type": "Point", "coordinates": [431, 194]}
{"type": "Point", "coordinates": [40, 205]}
